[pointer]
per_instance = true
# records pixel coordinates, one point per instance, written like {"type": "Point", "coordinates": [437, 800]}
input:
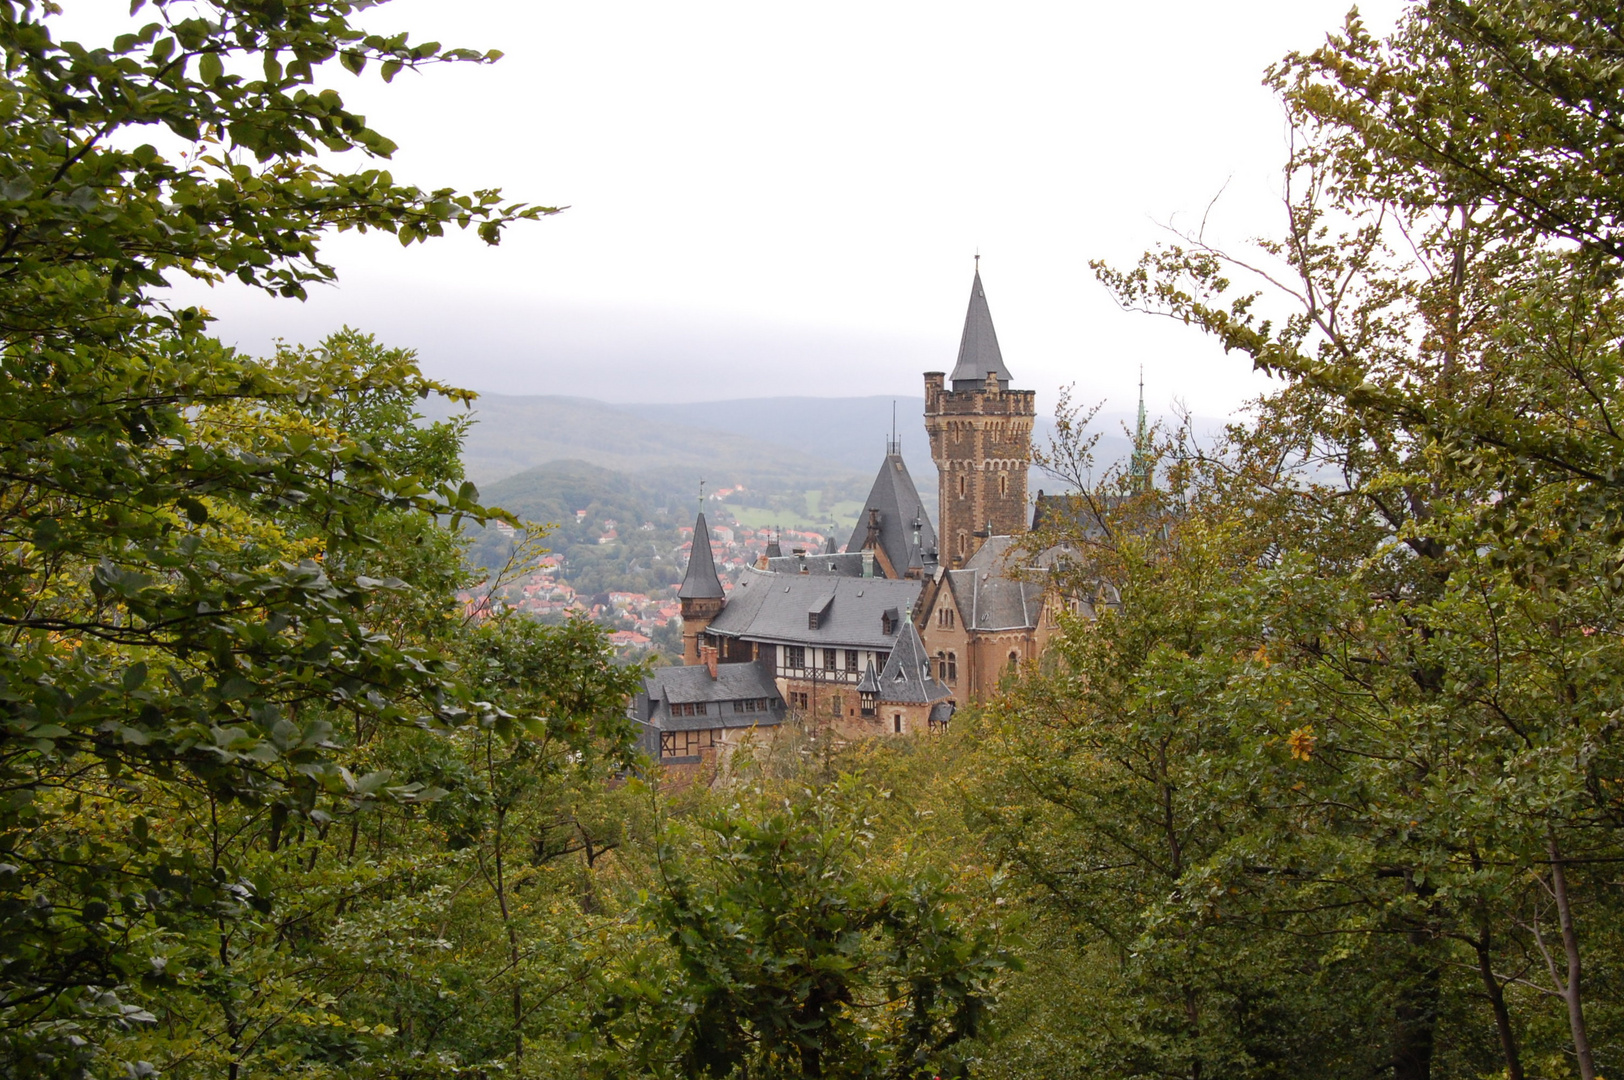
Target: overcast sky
{"type": "Point", "coordinates": [773, 198]}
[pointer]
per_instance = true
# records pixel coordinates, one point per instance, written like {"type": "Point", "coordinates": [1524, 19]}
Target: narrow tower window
{"type": "Point", "coordinates": [961, 487]}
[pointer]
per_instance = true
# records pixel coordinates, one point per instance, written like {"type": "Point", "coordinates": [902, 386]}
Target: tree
{"type": "Point", "coordinates": [185, 596]}
{"type": "Point", "coordinates": [1443, 309]}
{"type": "Point", "coordinates": [794, 956]}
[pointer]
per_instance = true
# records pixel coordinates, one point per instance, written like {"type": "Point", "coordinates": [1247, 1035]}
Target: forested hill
{"type": "Point", "coordinates": [776, 443]}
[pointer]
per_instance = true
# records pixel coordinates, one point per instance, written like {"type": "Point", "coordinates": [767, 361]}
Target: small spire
{"type": "Point", "coordinates": [700, 581]}
{"type": "Point", "coordinates": [1139, 478]}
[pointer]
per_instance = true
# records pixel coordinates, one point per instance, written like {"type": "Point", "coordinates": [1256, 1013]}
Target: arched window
{"type": "Point", "coordinates": [952, 667]}
{"type": "Point", "coordinates": [964, 543]}
{"type": "Point", "coordinates": [961, 487]}
{"type": "Point", "coordinates": [1003, 485]}
{"type": "Point", "coordinates": [1014, 660]}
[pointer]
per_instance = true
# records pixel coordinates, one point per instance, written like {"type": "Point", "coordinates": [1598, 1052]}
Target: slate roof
{"type": "Point", "coordinates": [988, 598]}
{"type": "Point", "coordinates": [691, 685]}
{"type": "Point", "coordinates": [896, 499]}
{"type": "Point", "coordinates": [1069, 511]}
{"type": "Point", "coordinates": [841, 564]}
{"type": "Point", "coordinates": [773, 607]}
{"type": "Point", "coordinates": [699, 581]}
{"type": "Point", "coordinates": [941, 713]}
{"type": "Point", "coordinates": [978, 347]}
{"type": "Point", "coordinates": [907, 677]}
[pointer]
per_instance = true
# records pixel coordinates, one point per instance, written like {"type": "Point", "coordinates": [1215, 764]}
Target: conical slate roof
{"type": "Point", "coordinates": [907, 678]}
{"type": "Point", "coordinates": [978, 348]}
{"type": "Point", "coordinates": [700, 581]}
{"type": "Point", "coordinates": [897, 500]}
{"type": "Point", "coordinates": [870, 682]}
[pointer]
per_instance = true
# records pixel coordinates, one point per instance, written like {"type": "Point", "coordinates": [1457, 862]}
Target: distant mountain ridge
{"type": "Point", "coordinates": [773, 441]}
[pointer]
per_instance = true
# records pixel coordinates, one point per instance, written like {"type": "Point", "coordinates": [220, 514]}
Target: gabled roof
{"type": "Point", "coordinates": [906, 535]}
{"type": "Point", "coordinates": [774, 607]}
{"type": "Point", "coordinates": [699, 581]}
{"type": "Point", "coordinates": [987, 594]}
{"type": "Point", "coordinates": [907, 678]}
{"type": "Point", "coordinates": [745, 682]}
{"type": "Point", "coordinates": [978, 346]}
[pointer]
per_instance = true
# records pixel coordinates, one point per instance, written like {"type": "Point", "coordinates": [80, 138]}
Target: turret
{"type": "Point", "coordinates": [701, 595]}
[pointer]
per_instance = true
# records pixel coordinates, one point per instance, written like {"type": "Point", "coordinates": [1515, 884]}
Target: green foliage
{"type": "Point", "coordinates": [796, 957]}
{"type": "Point", "coordinates": [1382, 712]}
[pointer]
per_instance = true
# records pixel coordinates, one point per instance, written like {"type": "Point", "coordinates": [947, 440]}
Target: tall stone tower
{"type": "Point", "coordinates": [981, 439]}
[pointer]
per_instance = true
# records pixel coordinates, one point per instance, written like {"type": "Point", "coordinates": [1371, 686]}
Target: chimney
{"type": "Point", "coordinates": [707, 656]}
{"type": "Point", "coordinates": [868, 563]}
{"type": "Point", "coordinates": [992, 382]}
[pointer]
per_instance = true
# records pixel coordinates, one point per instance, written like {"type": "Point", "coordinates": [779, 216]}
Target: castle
{"type": "Point", "coordinates": [890, 635]}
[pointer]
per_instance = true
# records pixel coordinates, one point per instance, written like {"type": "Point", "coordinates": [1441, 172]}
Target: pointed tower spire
{"type": "Point", "coordinates": [1139, 478]}
{"type": "Point", "coordinates": [978, 346]}
{"type": "Point", "coordinates": [700, 581]}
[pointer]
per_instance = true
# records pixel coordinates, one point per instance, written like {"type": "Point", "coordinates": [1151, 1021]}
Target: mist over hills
{"type": "Point", "coordinates": [810, 453]}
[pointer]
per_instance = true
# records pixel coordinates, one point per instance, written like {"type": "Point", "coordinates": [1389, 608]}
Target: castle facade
{"type": "Point", "coordinates": [892, 634]}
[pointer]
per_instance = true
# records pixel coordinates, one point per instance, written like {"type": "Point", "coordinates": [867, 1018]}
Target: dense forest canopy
{"type": "Point", "coordinates": [1331, 784]}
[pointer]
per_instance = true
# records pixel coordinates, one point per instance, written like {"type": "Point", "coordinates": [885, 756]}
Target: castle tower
{"type": "Point", "coordinates": [980, 438]}
{"type": "Point", "coordinates": [701, 594]}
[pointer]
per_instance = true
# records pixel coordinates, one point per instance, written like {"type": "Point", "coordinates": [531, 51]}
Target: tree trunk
{"type": "Point", "coordinates": [1416, 1018]}
{"type": "Point", "coordinates": [1497, 1002]}
{"type": "Point", "coordinates": [1570, 947]}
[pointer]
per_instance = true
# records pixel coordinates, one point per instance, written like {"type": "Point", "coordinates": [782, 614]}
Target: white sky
{"type": "Point", "coordinates": [773, 198]}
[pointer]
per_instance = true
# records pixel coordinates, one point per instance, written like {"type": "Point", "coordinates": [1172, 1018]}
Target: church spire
{"type": "Point", "coordinates": [1139, 478]}
{"type": "Point", "coordinates": [700, 581]}
{"type": "Point", "coordinates": [978, 347]}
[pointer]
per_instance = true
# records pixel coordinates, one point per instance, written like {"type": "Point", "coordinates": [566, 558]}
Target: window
{"type": "Point", "coordinates": [797, 699]}
{"type": "Point", "coordinates": [941, 666]}
{"type": "Point", "coordinates": [869, 702]}
{"type": "Point", "coordinates": [946, 618]}
{"type": "Point", "coordinates": [851, 661]}
{"type": "Point", "coordinates": [836, 706]}
{"type": "Point", "coordinates": [795, 656]}
{"type": "Point", "coordinates": [952, 667]}
{"type": "Point", "coordinates": [964, 543]}
{"type": "Point", "coordinates": [881, 659]}
{"type": "Point", "coordinates": [962, 486]}
{"type": "Point", "coordinates": [896, 723]}
{"type": "Point", "coordinates": [814, 619]}
{"type": "Point", "coordinates": [1014, 660]}
{"type": "Point", "coordinates": [1003, 485]}
{"type": "Point", "coordinates": [830, 656]}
